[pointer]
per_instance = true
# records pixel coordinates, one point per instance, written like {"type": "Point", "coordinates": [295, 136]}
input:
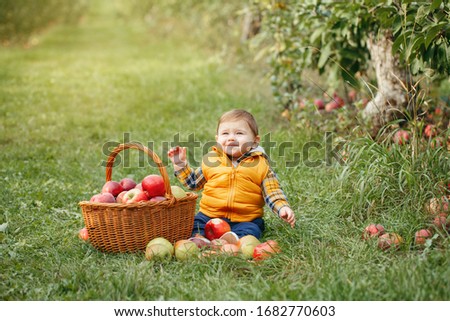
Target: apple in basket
{"type": "Point", "coordinates": [103, 198]}
{"type": "Point", "coordinates": [178, 192]}
{"type": "Point", "coordinates": [127, 183]}
{"type": "Point", "coordinates": [119, 198]}
{"type": "Point", "coordinates": [154, 185]}
{"type": "Point", "coordinates": [134, 196]}
{"type": "Point", "coordinates": [112, 187]}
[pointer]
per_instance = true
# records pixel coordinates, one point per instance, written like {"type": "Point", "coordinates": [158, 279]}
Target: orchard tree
{"type": "Point", "coordinates": [400, 41]}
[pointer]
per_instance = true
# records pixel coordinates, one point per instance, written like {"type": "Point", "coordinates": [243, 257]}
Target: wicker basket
{"type": "Point", "coordinates": [115, 227]}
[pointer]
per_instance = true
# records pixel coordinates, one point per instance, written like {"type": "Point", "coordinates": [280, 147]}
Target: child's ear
{"type": "Point", "coordinates": [216, 137]}
{"type": "Point", "coordinates": [257, 139]}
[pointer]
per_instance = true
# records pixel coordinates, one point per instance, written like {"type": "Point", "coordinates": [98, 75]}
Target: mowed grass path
{"type": "Point", "coordinates": [108, 80]}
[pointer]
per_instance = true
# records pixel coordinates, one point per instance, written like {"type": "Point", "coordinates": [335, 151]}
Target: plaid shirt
{"type": "Point", "coordinates": [272, 193]}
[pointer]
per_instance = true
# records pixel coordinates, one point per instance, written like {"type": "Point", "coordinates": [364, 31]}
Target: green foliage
{"type": "Point", "coordinates": [331, 37]}
{"type": "Point", "coordinates": [20, 19]}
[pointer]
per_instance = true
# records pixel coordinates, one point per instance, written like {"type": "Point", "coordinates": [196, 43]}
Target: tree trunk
{"type": "Point", "coordinates": [391, 99]}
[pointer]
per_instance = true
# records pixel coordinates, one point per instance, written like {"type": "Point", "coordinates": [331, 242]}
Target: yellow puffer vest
{"type": "Point", "coordinates": [233, 192]}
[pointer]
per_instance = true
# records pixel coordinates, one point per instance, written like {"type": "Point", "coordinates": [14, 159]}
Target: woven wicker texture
{"type": "Point", "coordinates": [115, 227]}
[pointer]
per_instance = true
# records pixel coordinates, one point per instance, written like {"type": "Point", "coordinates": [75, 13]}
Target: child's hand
{"type": "Point", "coordinates": [287, 215]}
{"type": "Point", "coordinates": [177, 156]}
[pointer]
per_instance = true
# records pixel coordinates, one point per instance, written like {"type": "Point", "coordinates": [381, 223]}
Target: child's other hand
{"type": "Point", "coordinates": [177, 156]}
{"type": "Point", "coordinates": [287, 215]}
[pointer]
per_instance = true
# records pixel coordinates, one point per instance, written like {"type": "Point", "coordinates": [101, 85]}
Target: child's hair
{"type": "Point", "coordinates": [239, 114]}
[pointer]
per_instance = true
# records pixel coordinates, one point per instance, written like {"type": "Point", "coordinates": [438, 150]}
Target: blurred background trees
{"type": "Point", "coordinates": [382, 60]}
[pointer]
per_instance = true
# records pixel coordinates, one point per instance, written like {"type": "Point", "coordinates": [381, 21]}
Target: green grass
{"type": "Point", "coordinates": [61, 101]}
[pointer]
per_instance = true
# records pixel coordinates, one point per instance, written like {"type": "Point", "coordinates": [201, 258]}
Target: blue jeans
{"type": "Point", "coordinates": [255, 227]}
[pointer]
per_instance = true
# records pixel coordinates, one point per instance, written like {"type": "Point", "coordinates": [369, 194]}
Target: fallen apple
{"type": "Point", "coordinates": [215, 228]}
{"type": "Point", "coordinates": [390, 240]}
{"type": "Point", "coordinates": [372, 230]}
{"type": "Point", "coordinates": [185, 250]}
{"type": "Point", "coordinates": [441, 222]}
{"type": "Point", "coordinates": [178, 192]}
{"type": "Point", "coordinates": [230, 237]}
{"type": "Point", "coordinates": [162, 241]}
{"type": "Point", "coordinates": [112, 187]}
{"type": "Point", "coordinates": [429, 131]}
{"type": "Point", "coordinates": [266, 250]}
{"type": "Point", "coordinates": [437, 205]}
{"type": "Point", "coordinates": [154, 185]}
{"type": "Point", "coordinates": [127, 183]}
{"type": "Point", "coordinates": [401, 137]}
{"type": "Point", "coordinates": [319, 103]}
{"type": "Point", "coordinates": [247, 245]}
{"type": "Point", "coordinates": [200, 241]}
{"type": "Point", "coordinates": [230, 249]}
{"type": "Point", "coordinates": [421, 236]}
{"type": "Point", "coordinates": [134, 196]}
{"type": "Point", "coordinates": [217, 244]}
{"type": "Point", "coordinates": [83, 234]}
{"type": "Point", "coordinates": [103, 198]}
{"type": "Point", "coordinates": [157, 252]}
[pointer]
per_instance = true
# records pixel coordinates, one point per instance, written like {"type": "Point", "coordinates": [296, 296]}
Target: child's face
{"type": "Point", "coordinates": [236, 138]}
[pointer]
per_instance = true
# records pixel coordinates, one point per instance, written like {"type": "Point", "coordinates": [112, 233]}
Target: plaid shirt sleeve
{"type": "Point", "coordinates": [193, 179]}
{"type": "Point", "coordinates": [272, 192]}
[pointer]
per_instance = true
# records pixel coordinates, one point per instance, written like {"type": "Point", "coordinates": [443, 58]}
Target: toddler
{"type": "Point", "coordinates": [236, 178]}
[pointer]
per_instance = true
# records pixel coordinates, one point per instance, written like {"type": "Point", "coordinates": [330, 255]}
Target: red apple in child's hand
{"type": "Point", "coordinates": [134, 196]}
{"type": "Point", "coordinates": [127, 183]}
{"type": "Point", "coordinates": [83, 234]}
{"type": "Point", "coordinates": [265, 250]}
{"type": "Point", "coordinates": [154, 185]}
{"type": "Point", "coordinates": [372, 230]}
{"type": "Point", "coordinates": [112, 187]}
{"type": "Point", "coordinates": [103, 198]}
{"type": "Point", "coordinates": [215, 228]}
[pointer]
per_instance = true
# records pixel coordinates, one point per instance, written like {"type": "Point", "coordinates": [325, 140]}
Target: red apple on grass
{"type": "Point", "coordinates": [401, 137]}
{"type": "Point", "coordinates": [230, 249]}
{"type": "Point", "coordinates": [127, 183]}
{"type": "Point", "coordinates": [389, 240]}
{"type": "Point", "coordinates": [154, 185]}
{"type": "Point", "coordinates": [441, 222]}
{"type": "Point", "coordinates": [103, 198]}
{"type": "Point", "coordinates": [247, 245]}
{"type": "Point", "coordinates": [421, 236]}
{"type": "Point", "coordinates": [215, 228]}
{"type": "Point", "coordinates": [83, 234]}
{"type": "Point", "coordinates": [112, 187]}
{"type": "Point", "coordinates": [429, 131]}
{"type": "Point", "coordinates": [319, 103]}
{"type": "Point", "coordinates": [372, 230]}
{"type": "Point", "coordinates": [265, 250]}
{"type": "Point", "coordinates": [135, 196]}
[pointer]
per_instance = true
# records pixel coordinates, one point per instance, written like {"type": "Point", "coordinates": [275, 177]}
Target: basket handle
{"type": "Point", "coordinates": [156, 159]}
